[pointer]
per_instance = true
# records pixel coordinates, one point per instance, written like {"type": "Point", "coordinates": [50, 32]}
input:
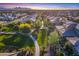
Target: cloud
{"type": "Point", "coordinates": [39, 5]}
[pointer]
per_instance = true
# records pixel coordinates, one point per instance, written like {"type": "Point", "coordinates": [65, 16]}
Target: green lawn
{"type": "Point", "coordinates": [16, 40]}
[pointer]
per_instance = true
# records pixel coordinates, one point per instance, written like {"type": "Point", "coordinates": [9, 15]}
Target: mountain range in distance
{"type": "Point", "coordinates": [16, 8]}
{"type": "Point", "coordinates": [21, 8]}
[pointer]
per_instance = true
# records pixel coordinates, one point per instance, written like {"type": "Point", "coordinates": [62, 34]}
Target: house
{"type": "Point", "coordinates": [72, 35]}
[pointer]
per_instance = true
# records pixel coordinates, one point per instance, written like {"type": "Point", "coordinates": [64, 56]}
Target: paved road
{"type": "Point", "coordinates": [37, 49]}
{"type": "Point", "coordinates": [6, 54]}
{"type": "Point", "coordinates": [8, 32]}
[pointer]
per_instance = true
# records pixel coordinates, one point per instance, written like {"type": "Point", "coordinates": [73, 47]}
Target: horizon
{"type": "Point", "coordinates": [41, 5]}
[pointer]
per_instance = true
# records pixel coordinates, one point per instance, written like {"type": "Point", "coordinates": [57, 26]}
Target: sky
{"type": "Point", "coordinates": [40, 5]}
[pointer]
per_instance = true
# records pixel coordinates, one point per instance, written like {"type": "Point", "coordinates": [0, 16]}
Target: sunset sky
{"type": "Point", "coordinates": [40, 5]}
